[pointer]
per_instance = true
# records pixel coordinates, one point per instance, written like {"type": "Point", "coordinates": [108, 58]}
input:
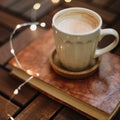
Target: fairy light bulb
{"type": "Point", "coordinates": [36, 6]}
{"type": "Point", "coordinates": [68, 1]}
{"type": "Point", "coordinates": [33, 27]}
{"type": "Point", "coordinates": [18, 26]}
{"type": "Point", "coordinates": [15, 92]}
{"type": "Point", "coordinates": [37, 74]}
{"type": "Point", "coordinates": [55, 1]}
{"type": "Point", "coordinates": [12, 51]}
{"type": "Point", "coordinates": [29, 72]}
{"type": "Point", "coordinates": [43, 24]}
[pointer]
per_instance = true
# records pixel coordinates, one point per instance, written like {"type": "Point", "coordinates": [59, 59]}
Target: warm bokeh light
{"type": "Point", "coordinates": [29, 72]}
{"type": "Point", "coordinates": [43, 24]}
{"type": "Point", "coordinates": [55, 1]}
{"type": "Point", "coordinates": [36, 6]}
{"type": "Point", "coordinates": [15, 64]}
{"type": "Point", "coordinates": [12, 51]}
{"type": "Point", "coordinates": [15, 91]}
{"type": "Point", "coordinates": [33, 27]}
{"type": "Point", "coordinates": [37, 74]}
{"type": "Point", "coordinates": [68, 1]}
{"type": "Point", "coordinates": [18, 26]}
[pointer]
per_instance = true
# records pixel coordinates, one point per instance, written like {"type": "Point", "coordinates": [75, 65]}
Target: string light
{"type": "Point", "coordinates": [33, 27]}
{"type": "Point", "coordinates": [12, 51]}
{"type": "Point", "coordinates": [43, 24]}
{"type": "Point", "coordinates": [36, 6]}
{"type": "Point", "coordinates": [37, 74]}
{"type": "Point", "coordinates": [18, 26]}
{"type": "Point", "coordinates": [55, 1]}
{"type": "Point", "coordinates": [10, 117]}
{"type": "Point", "coordinates": [68, 1]}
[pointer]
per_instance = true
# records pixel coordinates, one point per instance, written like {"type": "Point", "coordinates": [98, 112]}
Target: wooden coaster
{"type": "Point", "coordinates": [59, 69]}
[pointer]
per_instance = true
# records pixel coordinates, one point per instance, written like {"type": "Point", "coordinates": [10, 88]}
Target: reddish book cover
{"type": "Point", "coordinates": [98, 92]}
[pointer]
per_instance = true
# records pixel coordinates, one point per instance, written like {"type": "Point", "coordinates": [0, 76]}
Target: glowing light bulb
{"type": "Point", "coordinates": [12, 51]}
{"type": "Point", "coordinates": [18, 26]}
{"type": "Point", "coordinates": [55, 1]}
{"type": "Point", "coordinates": [37, 74]}
{"type": "Point", "coordinates": [43, 24]}
{"type": "Point", "coordinates": [36, 6]}
{"type": "Point", "coordinates": [33, 27]}
{"type": "Point", "coordinates": [29, 72]}
{"type": "Point", "coordinates": [68, 1]}
{"type": "Point", "coordinates": [10, 117]}
{"type": "Point", "coordinates": [15, 91]}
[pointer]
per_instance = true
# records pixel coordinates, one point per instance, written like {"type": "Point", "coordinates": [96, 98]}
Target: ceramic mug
{"type": "Point", "coordinates": [77, 32]}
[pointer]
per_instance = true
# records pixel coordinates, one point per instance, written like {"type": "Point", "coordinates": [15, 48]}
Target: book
{"type": "Point", "coordinates": [97, 96]}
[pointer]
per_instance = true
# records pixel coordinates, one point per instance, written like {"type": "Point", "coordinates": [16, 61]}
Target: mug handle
{"type": "Point", "coordinates": [108, 48]}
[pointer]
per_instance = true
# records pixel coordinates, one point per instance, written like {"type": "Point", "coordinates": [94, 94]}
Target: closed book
{"type": "Point", "coordinates": [96, 96]}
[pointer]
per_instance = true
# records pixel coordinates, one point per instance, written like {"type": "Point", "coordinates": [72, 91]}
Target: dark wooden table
{"type": "Point", "coordinates": [31, 104]}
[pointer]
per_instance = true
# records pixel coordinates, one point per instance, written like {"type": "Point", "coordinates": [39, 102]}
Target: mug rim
{"type": "Point", "coordinates": [78, 9]}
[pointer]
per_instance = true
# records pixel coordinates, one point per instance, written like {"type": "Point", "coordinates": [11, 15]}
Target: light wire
{"type": "Point", "coordinates": [12, 50]}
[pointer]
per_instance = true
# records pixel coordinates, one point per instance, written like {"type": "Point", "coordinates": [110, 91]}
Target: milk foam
{"type": "Point", "coordinates": [76, 24]}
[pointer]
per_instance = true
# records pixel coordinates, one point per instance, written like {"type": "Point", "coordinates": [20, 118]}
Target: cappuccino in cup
{"type": "Point", "coordinates": [77, 32]}
{"type": "Point", "coordinates": [77, 23]}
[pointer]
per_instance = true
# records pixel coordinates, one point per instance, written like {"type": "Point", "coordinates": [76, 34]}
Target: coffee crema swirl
{"type": "Point", "coordinates": [77, 23]}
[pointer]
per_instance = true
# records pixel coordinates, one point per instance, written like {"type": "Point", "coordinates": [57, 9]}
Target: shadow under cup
{"type": "Point", "coordinates": [76, 32]}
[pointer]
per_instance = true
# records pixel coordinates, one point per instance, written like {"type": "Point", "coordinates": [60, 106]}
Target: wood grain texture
{"type": "Point", "coordinates": [115, 6]}
{"type": "Point", "coordinates": [42, 108]}
{"type": "Point", "coordinates": [21, 6]}
{"type": "Point", "coordinates": [100, 2]}
{"type": "Point", "coordinates": [7, 3]}
{"type": "Point", "coordinates": [69, 114]}
{"type": "Point", "coordinates": [4, 34]}
{"type": "Point", "coordinates": [6, 108]}
{"type": "Point", "coordinates": [10, 20]}
{"type": "Point", "coordinates": [46, 6]}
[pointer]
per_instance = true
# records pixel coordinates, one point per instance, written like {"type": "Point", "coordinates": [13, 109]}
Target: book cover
{"type": "Point", "coordinates": [97, 96]}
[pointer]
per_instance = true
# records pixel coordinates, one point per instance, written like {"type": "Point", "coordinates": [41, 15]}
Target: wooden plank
{"type": "Point", "coordinates": [106, 41]}
{"type": "Point", "coordinates": [46, 6]}
{"type": "Point", "coordinates": [4, 34]}
{"type": "Point", "coordinates": [7, 3]}
{"type": "Point", "coordinates": [21, 6]}
{"type": "Point", "coordinates": [100, 2]}
{"type": "Point", "coordinates": [69, 114]}
{"type": "Point", "coordinates": [9, 84]}
{"type": "Point", "coordinates": [42, 108]}
{"type": "Point", "coordinates": [117, 27]}
{"type": "Point", "coordinates": [21, 41]}
{"type": "Point", "coordinates": [10, 20]}
{"type": "Point", "coordinates": [115, 6]}
{"type": "Point", "coordinates": [6, 108]}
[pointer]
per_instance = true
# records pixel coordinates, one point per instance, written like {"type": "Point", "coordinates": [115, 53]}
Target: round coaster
{"type": "Point", "coordinates": [59, 69]}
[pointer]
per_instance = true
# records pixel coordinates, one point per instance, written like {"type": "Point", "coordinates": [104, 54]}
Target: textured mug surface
{"type": "Point", "coordinates": [77, 32]}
